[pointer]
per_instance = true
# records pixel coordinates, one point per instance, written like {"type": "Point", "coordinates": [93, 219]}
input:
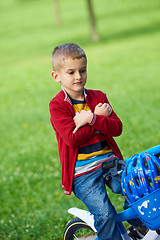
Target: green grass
{"type": "Point", "coordinates": [124, 64]}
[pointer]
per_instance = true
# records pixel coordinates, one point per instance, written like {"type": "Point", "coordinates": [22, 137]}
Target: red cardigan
{"type": "Point", "coordinates": [62, 114]}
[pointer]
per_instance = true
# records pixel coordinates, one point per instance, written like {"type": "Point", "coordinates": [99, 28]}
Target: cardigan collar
{"type": "Point", "coordinates": [67, 98]}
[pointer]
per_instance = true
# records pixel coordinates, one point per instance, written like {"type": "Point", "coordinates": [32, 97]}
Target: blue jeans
{"type": "Point", "coordinates": [91, 190]}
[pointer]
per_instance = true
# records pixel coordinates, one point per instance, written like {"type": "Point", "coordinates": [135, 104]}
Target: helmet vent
{"type": "Point", "coordinates": [145, 163]}
{"type": "Point", "coordinates": [126, 171]}
{"type": "Point", "coordinates": [150, 181]}
{"type": "Point", "coordinates": [135, 163]}
{"type": "Point", "coordinates": [158, 169]}
{"type": "Point", "coordinates": [129, 188]}
{"type": "Point", "coordinates": [137, 180]}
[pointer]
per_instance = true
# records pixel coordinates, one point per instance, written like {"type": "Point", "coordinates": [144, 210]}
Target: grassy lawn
{"type": "Point", "coordinates": [124, 64]}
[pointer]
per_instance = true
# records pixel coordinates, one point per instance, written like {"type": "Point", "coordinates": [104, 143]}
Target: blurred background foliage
{"type": "Point", "coordinates": [124, 63]}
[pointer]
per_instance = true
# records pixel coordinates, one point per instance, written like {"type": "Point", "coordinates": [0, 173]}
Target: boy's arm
{"type": "Point", "coordinates": [108, 125]}
{"type": "Point", "coordinates": [63, 123]}
{"type": "Point", "coordinates": [103, 109]}
{"type": "Point", "coordinates": [81, 119]}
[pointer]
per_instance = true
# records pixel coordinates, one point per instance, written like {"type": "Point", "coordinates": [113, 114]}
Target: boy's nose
{"type": "Point", "coordinates": [78, 75]}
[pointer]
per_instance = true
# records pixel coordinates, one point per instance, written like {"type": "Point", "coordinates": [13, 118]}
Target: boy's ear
{"type": "Point", "coordinates": [55, 76]}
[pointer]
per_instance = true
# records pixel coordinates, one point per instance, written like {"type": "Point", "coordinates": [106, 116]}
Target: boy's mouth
{"type": "Point", "coordinates": [78, 83]}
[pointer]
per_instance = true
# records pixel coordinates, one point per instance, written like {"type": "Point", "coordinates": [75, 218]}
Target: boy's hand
{"type": "Point", "coordinates": [103, 109]}
{"type": "Point", "coordinates": [81, 119]}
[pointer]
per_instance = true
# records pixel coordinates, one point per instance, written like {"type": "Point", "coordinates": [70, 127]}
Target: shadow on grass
{"type": "Point", "coordinates": [133, 32]}
{"type": "Point", "coordinates": [129, 12]}
{"type": "Point", "coordinates": [121, 35]}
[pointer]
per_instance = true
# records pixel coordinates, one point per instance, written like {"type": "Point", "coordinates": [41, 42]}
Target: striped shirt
{"type": "Point", "coordinates": [95, 151]}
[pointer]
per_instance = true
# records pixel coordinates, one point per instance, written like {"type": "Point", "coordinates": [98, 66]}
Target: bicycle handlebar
{"type": "Point", "coordinates": [106, 166]}
{"type": "Point", "coordinates": [111, 169]}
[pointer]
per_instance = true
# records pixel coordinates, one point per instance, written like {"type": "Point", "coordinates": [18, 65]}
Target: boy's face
{"type": "Point", "coordinates": [72, 75]}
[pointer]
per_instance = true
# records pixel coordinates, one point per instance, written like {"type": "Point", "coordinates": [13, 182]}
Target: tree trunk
{"type": "Point", "coordinates": [94, 34]}
{"type": "Point", "coordinates": [57, 13]}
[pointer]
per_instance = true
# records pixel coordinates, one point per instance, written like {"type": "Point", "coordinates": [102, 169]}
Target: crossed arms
{"type": "Point", "coordinates": [85, 117]}
{"type": "Point", "coordinates": [77, 130]}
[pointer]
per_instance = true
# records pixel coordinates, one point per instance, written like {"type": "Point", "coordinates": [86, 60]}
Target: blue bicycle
{"type": "Point", "coordinates": [143, 198]}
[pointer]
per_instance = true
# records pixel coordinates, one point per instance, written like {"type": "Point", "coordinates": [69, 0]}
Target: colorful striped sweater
{"type": "Point", "coordinates": [95, 151]}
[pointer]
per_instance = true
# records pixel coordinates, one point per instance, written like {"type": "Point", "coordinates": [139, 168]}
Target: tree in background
{"type": "Point", "coordinates": [57, 13]}
{"type": "Point", "coordinates": [94, 33]}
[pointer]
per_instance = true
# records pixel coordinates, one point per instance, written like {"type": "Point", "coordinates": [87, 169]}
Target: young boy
{"type": "Point", "coordinates": [85, 125]}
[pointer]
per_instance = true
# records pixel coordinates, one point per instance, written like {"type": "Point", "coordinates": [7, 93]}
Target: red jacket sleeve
{"type": "Point", "coordinates": [63, 124]}
{"type": "Point", "coordinates": [111, 125]}
{"type": "Point", "coordinates": [108, 125]}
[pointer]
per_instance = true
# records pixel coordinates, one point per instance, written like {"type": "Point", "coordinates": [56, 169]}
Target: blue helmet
{"type": "Point", "coordinates": [140, 177]}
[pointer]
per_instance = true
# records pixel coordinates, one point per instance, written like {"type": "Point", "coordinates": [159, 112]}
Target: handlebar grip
{"type": "Point", "coordinates": [106, 166]}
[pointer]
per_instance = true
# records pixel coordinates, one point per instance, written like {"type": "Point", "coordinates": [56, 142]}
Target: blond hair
{"type": "Point", "coordinates": [65, 51]}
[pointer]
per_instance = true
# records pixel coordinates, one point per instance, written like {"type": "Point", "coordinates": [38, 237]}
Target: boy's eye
{"type": "Point", "coordinates": [71, 72]}
{"type": "Point", "coordinates": [83, 70]}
